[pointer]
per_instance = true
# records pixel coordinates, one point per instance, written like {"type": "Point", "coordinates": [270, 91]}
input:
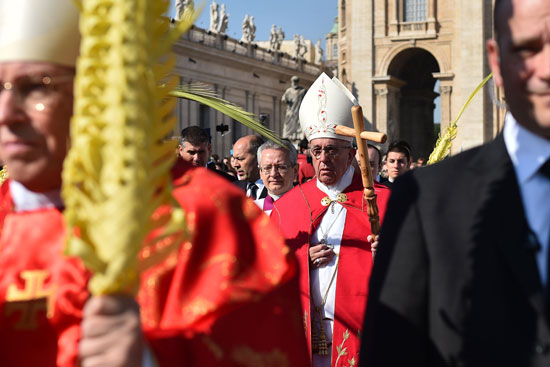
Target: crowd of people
{"type": "Point", "coordinates": [278, 265]}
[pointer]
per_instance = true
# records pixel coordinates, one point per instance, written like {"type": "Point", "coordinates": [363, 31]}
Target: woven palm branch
{"type": "Point", "coordinates": [202, 94]}
{"type": "Point", "coordinates": [117, 172]}
{"type": "Point", "coordinates": [445, 141]}
{"type": "Point", "coordinates": [3, 174]}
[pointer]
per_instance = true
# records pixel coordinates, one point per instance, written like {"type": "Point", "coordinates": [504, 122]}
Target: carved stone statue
{"type": "Point", "coordinates": [300, 47]}
{"type": "Point", "coordinates": [293, 98]}
{"type": "Point", "coordinates": [318, 52]}
{"type": "Point", "coordinates": [252, 27]}
{"type": "Point", "coordinates": [214, 16]}
{"type": "Point", "coordinates": [273, 38]}
{"type": "Point", "coordinates": [297, 46]}
{"type": "Point", "coordinates": [224, 21]}
{"type": "Point", "coordinates": [303, 47]}
{"type": "Point", "coordinates": [246, 30]}
{"type": "Point", "coordinates": [181, 5]}
{"type": "Point", "coordinates": [280, 38]}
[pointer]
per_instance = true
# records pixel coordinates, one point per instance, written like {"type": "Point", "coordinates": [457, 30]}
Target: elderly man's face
{"type": "Point", "coordinates": [331, 158]}
{"type": "Point", "coordinates": [34, 121]}
{"type": "Point", "coordinates": [521, 61]}
{"type": "Point", "coordinates": [276, 171]}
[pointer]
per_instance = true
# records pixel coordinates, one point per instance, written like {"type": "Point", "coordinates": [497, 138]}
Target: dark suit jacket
{"type": "Point", "coordinates": [455, 282]}
{"type": "Point", "coordinates": [243, 184]}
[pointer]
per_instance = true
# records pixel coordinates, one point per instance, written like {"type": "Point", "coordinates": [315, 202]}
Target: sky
{"type": "Point", "coordinates": [311, 18]}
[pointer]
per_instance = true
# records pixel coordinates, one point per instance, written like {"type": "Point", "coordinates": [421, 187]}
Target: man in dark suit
{"type": "Point", "coordinates": [245, 161]}
{"type": "Point", "coordinates": [460, 277]}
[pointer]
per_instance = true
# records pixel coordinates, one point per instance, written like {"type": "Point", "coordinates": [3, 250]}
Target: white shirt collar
{"type": "Point", "coordinates": [527, 150]}
{"type": "Point", "coordinates": [26, 200]}
{"type": "Point", "coordinates": [339, 186]}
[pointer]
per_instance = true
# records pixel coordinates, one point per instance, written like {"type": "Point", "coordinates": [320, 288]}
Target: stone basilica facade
{"type": "Point", "coordinates": [391, 53]}
{"type": "Point", "coordinates": [245, 74]}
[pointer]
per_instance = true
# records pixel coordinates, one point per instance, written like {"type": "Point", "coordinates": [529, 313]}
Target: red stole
{"type": "Point", "coordinates": [298, 214]}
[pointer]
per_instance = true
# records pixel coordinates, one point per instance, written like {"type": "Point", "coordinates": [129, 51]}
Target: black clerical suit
{"type": "Point", "coordinates": [455, 280]}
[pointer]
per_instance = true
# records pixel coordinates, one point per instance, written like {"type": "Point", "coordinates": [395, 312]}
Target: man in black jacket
{"type": "Point", "coordinates": [195, 147]}
{"type": "Point", "coordinates": [460, 277]}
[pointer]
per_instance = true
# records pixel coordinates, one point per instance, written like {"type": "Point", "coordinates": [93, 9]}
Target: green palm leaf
{"type": "Point", "coordinates": [202, 94]}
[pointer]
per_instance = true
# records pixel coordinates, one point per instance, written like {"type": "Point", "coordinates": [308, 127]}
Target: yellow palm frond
{"type": "Point", "coordinates": [445, 141]}
{"type": "Point", "coordinates": [3, 174]}
{"type": "Point", "coordinates": [117, 172]}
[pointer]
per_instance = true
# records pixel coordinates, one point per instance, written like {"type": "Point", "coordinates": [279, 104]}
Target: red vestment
{"type": "Point", "coordinates": [228, 295]}
{"type": "Point", "coordinates": [298, 214]}
{"type": "Point", "coordinates": [41, 292]}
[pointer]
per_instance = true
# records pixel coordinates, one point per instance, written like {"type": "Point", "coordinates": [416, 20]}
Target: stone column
{"type": "Point", "coordinates": [445, 93]}
{"type": "Point", "coordinates": [394, 17]}
{"type": "Point", "coordinates": [446, 90]}
{"type": "Point", "coordinates": [387, 97]}
{"type": "Point", "coordinates": [431, 20]}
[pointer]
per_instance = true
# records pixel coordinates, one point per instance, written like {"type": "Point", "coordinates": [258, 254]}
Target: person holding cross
{"type": "Point", "coordinates": [325, 222]}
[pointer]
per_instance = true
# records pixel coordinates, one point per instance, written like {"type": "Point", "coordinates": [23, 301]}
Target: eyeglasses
{"type": "Point", "coordinates": [38, 93]}
{"type": "Point", "coordinates": [331, 151]}
{"type": "Point", "coordinates": [280, 168]}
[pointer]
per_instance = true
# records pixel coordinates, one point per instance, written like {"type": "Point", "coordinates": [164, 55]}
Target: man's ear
{"type": "Point", "coordinates": [493, 53]}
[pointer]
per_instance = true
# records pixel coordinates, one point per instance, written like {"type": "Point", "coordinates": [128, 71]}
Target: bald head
{"type": "Point", "coordinates": [244, 158]}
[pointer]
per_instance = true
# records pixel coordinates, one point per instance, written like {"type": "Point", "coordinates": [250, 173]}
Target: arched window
{"type": "Point", "coordinates": [414, 10]}
{"type": "Point", "coordinates": [335, 51]}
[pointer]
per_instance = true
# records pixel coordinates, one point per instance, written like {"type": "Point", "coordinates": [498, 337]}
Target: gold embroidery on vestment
{"type": "Point", "coordinates": [31, 299]}
{"type": "Point", "coordinates": [340, 198]}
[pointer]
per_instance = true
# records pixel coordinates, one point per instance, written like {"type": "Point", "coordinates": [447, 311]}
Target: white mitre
{"type": "Point", "coordinates": [39, 30]}
{"type": "Point", "coordinates": [326, 104]}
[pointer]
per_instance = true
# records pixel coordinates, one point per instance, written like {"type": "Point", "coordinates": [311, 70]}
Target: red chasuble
{"type": "Point", "coordinates": [298, 214]}
{"type": "Point", "coordinates": [42, 292]}
{"type": "Point", "coordinates": [226, 296]}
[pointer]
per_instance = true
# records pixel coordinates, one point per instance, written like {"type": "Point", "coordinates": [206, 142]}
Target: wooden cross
{"type": "Point", "coordinates": [361, 136]}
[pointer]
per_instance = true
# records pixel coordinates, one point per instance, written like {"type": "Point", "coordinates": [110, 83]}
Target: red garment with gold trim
{"type": "Point", "coordinates": [298, 214]}
{"type": "Point", "coordinates": [42, 292]}
{"type": "Point", "coordinates": [228, 295]}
